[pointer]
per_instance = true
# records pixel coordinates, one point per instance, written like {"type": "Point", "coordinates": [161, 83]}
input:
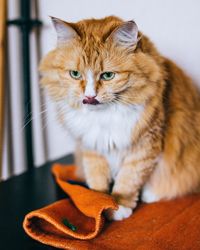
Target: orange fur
{"type": "Point", "coordinates": [164, 152]}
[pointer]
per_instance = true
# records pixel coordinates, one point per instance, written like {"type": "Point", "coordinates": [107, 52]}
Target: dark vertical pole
{"type": "Point", "coordinates": [25, 32]}
{"type": "Point", "coordinates": [26, 23]}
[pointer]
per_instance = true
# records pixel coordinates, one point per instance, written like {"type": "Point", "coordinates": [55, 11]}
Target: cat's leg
{"type": "Point", "coordinates": [136, 169]}
{"type": "Point", "coordinates": [78, 157]}
{"type": "Point", "coordinates": [148, 195]}
{"type": "Point", "coordinates": [128, 183]}
{"type": "Point", "coordinates": [96, 171]}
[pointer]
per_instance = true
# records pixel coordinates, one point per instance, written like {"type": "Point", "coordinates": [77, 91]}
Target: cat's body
{"type": "Point", "coordinates": [139, 129]}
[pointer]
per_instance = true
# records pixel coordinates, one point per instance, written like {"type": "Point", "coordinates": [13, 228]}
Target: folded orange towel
{"type": "Point", "coordinates": [78, 222]}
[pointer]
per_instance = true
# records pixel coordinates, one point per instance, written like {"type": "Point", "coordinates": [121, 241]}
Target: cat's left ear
{"type": "Point", "coordinates": [126, 34]}
{"type": "Point", "coordinates": [65, 31]}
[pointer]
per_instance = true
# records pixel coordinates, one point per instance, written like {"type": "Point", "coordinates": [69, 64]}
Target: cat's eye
{"type": "Point", "coordinates": [75, 74]}
{"type": "Point", "coordinates": [106, 76]}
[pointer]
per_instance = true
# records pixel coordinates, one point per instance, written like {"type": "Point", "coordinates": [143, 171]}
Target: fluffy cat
{"type": "Point", "coordinates": [134, 113]}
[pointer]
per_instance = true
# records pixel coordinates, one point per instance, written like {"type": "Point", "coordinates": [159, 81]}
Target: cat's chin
{"type": "Point", "coordinates": [94, 107]}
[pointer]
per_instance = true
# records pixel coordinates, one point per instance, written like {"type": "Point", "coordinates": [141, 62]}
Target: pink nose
{"type": "Point", "coordinates": [90, 100]}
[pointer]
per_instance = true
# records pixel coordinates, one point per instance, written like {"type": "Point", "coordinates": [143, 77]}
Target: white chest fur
{"type": "Point", "coordinates": [107, 131]}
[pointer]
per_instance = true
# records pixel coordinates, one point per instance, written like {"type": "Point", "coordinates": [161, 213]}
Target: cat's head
{"type": "Point", "coordinates": [100, 62]}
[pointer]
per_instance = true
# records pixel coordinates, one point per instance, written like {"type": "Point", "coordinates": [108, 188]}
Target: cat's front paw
{"type": "Point", "coordinates": [121, 213]}
{"type": "Point", "coordinates": [148, 195]}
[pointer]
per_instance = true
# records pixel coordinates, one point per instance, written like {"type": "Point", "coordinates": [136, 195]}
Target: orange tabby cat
{"type": "Point", "coordinates": [134, 113]}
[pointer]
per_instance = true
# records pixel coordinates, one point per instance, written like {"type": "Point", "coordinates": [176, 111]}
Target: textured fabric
{"type": "Point", "coordinates": [162, 225]}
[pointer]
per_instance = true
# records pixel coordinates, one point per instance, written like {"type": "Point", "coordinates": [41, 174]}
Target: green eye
{"type": "Point", "coordinates": [75, 74]}
{"type": "Point", "coordinates": [106, 76]}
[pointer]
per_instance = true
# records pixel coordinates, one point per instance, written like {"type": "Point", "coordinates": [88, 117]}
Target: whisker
{"type": "Point", "coordinates": [31, 112]}
{"type": "Point", "coordinates": [32, 118]}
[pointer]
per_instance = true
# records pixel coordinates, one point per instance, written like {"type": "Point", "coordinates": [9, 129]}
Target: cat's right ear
{"type": "Point", "coordinates": [126, 34]}
{"type": "Point", "coordinates": [65, 31]}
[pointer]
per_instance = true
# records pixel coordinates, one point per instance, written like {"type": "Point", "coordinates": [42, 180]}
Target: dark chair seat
{"type": "Point", "coordinates": [20, 195]}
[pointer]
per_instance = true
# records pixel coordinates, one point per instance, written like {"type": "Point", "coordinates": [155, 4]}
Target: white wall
{"type": "Point", "coordinates": [172, 25]}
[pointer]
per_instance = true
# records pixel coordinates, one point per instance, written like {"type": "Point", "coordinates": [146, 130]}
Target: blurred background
{"type": "Point", "coordinates": [30, 134]}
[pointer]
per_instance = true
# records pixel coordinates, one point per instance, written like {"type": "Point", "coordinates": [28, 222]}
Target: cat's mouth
{"type": "Point", "coordinates": [90, 100]}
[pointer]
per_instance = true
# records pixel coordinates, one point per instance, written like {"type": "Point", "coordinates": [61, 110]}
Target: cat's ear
{"type": "Point", "coordinates": [126, 34]}
{"type": "Point", "coordinates": [65, 31]}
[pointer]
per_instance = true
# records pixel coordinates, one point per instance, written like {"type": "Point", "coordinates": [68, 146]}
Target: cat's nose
{"type": "Point", "coordinates": [90, 100]}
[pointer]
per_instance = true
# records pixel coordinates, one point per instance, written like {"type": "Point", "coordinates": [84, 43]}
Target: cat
{"type": "Point", "coordinates": [134, 114]}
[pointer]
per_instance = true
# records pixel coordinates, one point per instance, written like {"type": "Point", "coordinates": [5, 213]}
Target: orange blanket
{"type": "Point", "coordinates": [78, 222]}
